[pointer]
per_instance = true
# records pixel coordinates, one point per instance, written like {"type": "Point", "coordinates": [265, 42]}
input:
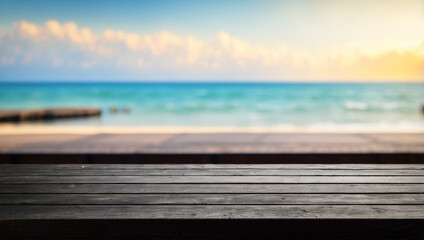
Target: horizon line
{"type": "Point", "coordinates": [213, 81]}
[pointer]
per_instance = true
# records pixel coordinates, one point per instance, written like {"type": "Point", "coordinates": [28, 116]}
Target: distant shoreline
{"type": "Point", "coordinates": [10, 129]}
{"type": "Point", "coordinates": [203, 82]}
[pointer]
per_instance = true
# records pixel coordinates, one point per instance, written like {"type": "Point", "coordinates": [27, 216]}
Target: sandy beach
{"type": "Point", "coordinates": [6, 129]}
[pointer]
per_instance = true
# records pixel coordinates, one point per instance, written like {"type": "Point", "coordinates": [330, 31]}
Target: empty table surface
{"type": "Point", "coordinates": [211, 192]}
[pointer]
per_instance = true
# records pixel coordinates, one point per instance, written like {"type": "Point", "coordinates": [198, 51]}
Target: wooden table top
{"type": "Point", "coordinates": [207, 201]}
{"type": "Point", "coordinates": [345, 191]}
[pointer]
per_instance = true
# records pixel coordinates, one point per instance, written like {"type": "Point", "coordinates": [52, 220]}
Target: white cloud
{"type": "Point", "coordinates": [26, 29]}
{"type": "Point", "coordinates": [68, 46]}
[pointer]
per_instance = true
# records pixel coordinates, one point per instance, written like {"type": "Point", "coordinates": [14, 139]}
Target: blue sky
{"type": "Point", "coordinates": [270, 40]}
{"type": "Point", "coordinates": [202, 18]}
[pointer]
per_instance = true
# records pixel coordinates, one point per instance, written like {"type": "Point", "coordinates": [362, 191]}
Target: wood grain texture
{"type": "Point", "coordinates": [212, 179]}
{"type": "Point", "coordinates": [211, 166]}
{"type": "Point", "coordinates": [26, 212]}
{"type": "Point", "coordinates": [211, 199]}
{"type": "Point", "coordinates": [340, 201]}
{"type": "Point", "coordinates": [208, 172]}
{"type": "Point", "coordinates": [210, 188]}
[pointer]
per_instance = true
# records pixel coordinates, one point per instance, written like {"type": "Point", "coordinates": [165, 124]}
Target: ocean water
{"type": "Point", "coordinates": [326, 105]}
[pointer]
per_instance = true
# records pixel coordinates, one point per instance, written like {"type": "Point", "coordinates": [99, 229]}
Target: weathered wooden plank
{"type": "Point", "coordinates": [211, 199]}
{"type": "Point", "coordinates": [211, 212]}
{"type": "Point", "coordinates": [211, 193]}
{"type": "Point", "coordinates": [212, 179]}
{"type": "Point", "coordinates": [212, 188]}
{"type": "Point", "coordinates": [212, 166]}
{"type": "Point", "coordinates": [210, 172]}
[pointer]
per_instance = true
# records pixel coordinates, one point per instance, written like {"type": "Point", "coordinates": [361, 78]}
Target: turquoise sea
{"type": "Point", "coordinates": [341, 105]}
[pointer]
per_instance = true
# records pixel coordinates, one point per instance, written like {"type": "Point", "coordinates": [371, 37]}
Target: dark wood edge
{"type": "Point", "coordinates": [215, 158]}
{"type": "Point", "coordinates": [213, 229]}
